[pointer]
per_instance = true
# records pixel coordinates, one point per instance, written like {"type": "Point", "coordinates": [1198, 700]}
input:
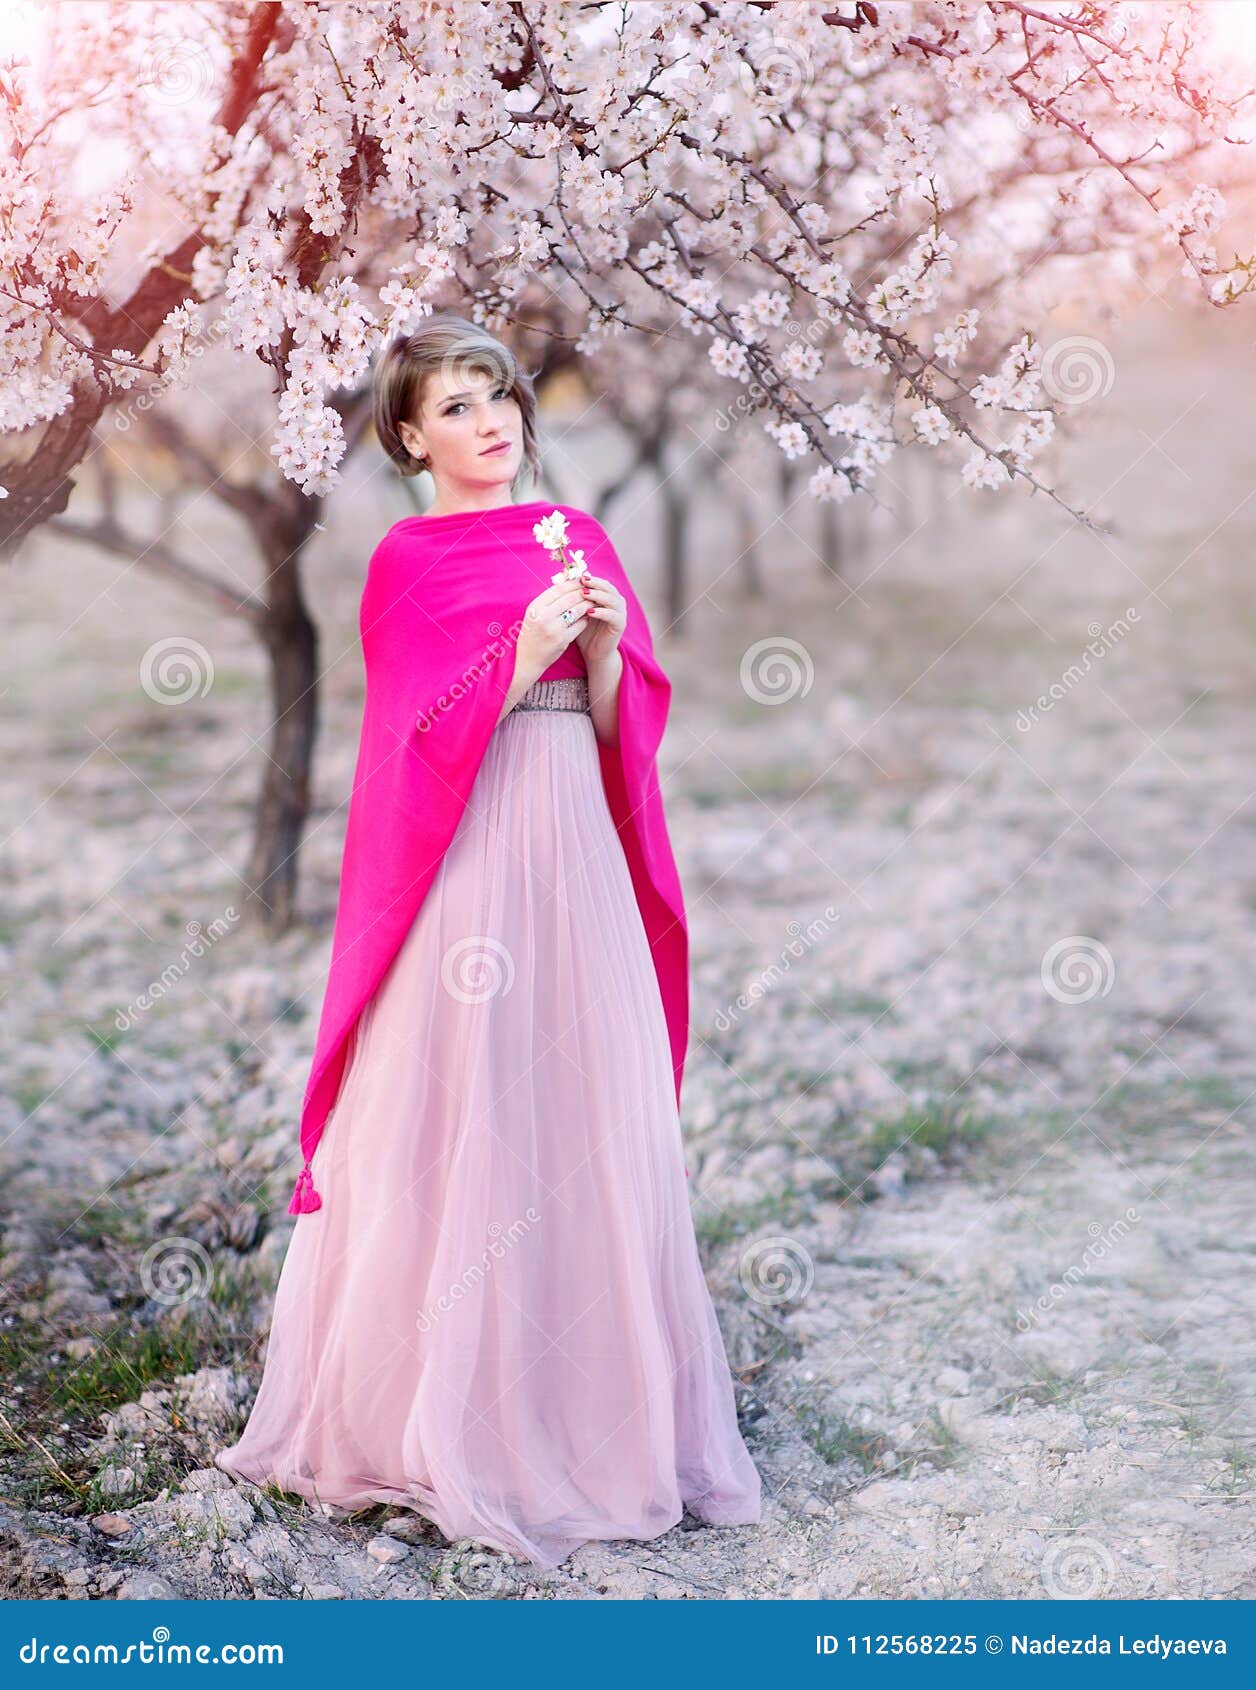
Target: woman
{"type": "Point", "coordinates": [492, 1308]}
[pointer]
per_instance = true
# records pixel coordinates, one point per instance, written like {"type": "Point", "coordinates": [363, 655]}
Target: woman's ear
{"type": "Point", "coordinates": [411, 440]}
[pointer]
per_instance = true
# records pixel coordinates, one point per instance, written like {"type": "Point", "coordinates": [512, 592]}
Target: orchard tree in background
{"type": "Point", "coordinates": [278, 521]}
{"type": "Point", "coordinates": [109, 83]}
{"type": "Point", "coordinates": [839, 203]}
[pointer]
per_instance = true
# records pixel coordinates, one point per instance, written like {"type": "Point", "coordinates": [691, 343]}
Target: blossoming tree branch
{"type": "Point", "coordinates": [839, 201]}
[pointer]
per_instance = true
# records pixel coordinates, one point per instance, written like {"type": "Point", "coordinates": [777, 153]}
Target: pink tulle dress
{"type": "Point", "coordinates": [499, 1317]}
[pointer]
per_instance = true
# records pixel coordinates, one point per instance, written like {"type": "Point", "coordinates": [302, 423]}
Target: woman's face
{"type": "Point", "coordinates": [469, 428]}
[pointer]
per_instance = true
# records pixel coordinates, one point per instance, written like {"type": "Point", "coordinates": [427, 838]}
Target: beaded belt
{"type": "Point", "coordinates": [567, 692]}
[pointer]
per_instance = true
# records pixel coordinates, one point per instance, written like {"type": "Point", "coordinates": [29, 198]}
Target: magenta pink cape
{"type": "Point", "coordinates": [441, 612]}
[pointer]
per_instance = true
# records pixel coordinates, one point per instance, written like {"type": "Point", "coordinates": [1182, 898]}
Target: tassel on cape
{"type": "Point", "coordinates": [305, 1199]}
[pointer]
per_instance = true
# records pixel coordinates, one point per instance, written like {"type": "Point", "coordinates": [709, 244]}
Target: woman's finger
{"type": "Point", "coordinates": [557, 590]}
{"type": "Point", "coordinates": [605, 594]}
{"type": "Point", "coordinates": [565, 597]}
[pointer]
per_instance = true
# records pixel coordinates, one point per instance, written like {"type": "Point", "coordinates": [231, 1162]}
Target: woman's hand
{"type": "Point", "coordinates": [544, 635]}
{"type": "Point", "coordinates": [607, 618]}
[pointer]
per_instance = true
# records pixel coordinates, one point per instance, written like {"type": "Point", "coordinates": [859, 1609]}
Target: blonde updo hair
{"type": "Point", "coordinates": [444, 342]}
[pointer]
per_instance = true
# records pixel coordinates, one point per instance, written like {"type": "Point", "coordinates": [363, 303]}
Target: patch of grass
{"type": "Point", "coordinates": [99, 1498]}
{"type": "Point", "coordinates": [852, 1005]}
{"type": "Point", "coordinates": [1049, 1388]}
{"type": "Point", "coordinates": [101, 1225]}
{"type": "Point", "coordinates": [838, 1441]}
{"type": "Point", "coordinates": [1238, 1470]}
{"type": "Point", "coordinates": [232, 1292]}
{"type": "Point", "coordinates": [779, 780]}
{"type": "Point", "coordinates": [192, 1535]}
{"type": "Point", "coordinates": [171, 1050]}
{"type": "Point", "coordinates": [786, 1076]}
{"type": "Point", "coordinates": [105, 1035]}
{"type": "Point", "coordinates": [292, 1506]}
{"type": "Point", "coordinates": [1135, 1107]}
{"type": "Point", "coordinates": [944, 1448]}
{"type": "Point", "coordinates": [919, 1138]}
{"type": "Point", "coordinates": [29, 1097]}
{"type": "Point", "coordinates": [1193, 1429]}
{"type": "Point", "coordinates": [58, 1398]}
{"type": "Point", "coordinates": [924, 1076]}
{"type": "Point", "coordinates": [126, 1361]}
{"type": "Point", "coordinates": [947, 1128]}
{"type": "Point", "coordinates": [717, 1227]}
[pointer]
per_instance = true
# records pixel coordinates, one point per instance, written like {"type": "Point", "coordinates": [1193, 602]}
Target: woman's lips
{"type": "Point", "coordinates": [492, 451]}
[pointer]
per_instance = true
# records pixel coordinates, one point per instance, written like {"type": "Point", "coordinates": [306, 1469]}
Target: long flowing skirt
{"type": "Point", "coordinates": [499, 1317]}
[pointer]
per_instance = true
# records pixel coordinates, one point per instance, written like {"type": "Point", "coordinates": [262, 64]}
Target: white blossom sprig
{"type": "Point", "coordinates": [551, 532]}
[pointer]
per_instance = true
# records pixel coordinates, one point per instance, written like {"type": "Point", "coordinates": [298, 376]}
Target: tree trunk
{"type": "Point", "coordinates": [291, 641]}
{"type": "Point", "coordinates": [675, 553]}
{"type": "Point", "coordinates": [829, 539]}
{"type": "Point", "coordinates": [747, 518]}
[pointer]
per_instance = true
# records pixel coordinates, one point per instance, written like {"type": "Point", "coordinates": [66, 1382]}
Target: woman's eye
{"type": "Point", "coordinates": [458, 405]}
